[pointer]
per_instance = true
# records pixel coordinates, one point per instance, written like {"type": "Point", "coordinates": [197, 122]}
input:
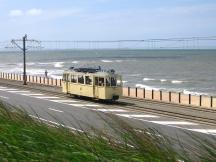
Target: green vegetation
{"type": "Point", "coordinates": [24, 139]}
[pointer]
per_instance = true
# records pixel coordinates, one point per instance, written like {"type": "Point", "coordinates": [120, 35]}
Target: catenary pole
{"type": "Point", "coordinates": [23, 48]}
{"type": "Point", "coordinates": [24, 60]}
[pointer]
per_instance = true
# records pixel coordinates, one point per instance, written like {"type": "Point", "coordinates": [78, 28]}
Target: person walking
{"type": "Point", "coordinates": [46, 73]}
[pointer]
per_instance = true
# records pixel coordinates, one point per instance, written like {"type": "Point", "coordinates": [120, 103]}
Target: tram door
{"type": "Point", "coordinates": [95, 87]}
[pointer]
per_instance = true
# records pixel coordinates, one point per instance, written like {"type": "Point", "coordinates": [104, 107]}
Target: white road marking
{"type": "Point", "coordinates": [32, 94]}
{"type": "Point", "coordinates": [55, 123]}
{"type": "Point", "coordinates": [4, 97]}
{"type": "Point", "coordinates": [55, 110]}
{"type": "Point", "coordinates": [169, 123]}
{"type": "Point", "coordinates": [91, 105]}
{"type": "Point", "coordinates": [19, 91]}
{"type": "Point", "coordinates": [149, 133]}
{"type": "Point", "coordinates": [7, 89]}
{"type": "Point", "coordinates": [173, 123]}
{"type": "Point", "coordinates": [77, 105]}
{"type": "Point", "coordinates": [63, 101]}
{"type": "Point", "coordinates": [206, 131]}
{"type": "Point", "coordinates": [46, 97]}
{"type": "Point", "coordinates": [111, 110]}
{"type": "Point", "coordinates": [138, 116]}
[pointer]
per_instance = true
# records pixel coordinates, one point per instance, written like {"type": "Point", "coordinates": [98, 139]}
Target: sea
{"type": "Point", "coordinates": [186, 71]}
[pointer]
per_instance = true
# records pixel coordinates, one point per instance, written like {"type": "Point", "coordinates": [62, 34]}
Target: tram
{"type": "Point", "coordinates": [92, 82]}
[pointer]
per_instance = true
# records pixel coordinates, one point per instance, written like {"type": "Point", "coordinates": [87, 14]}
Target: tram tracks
{"type": "Point", "coordinates": [141, 106]}
{"type": "Point", "coordinates": [169, 104]}
{"type": "Point", "coordinates": [146, 106]}
{"type": "Point", "coordinates": [175, 115]}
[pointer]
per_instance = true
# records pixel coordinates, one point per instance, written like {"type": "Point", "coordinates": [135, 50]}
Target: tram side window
{"type": "Point", "coordinates": [108, 82]}
{"type": "Point", "coordinates": [88, 80]}
{"type": "Point", "coordinates": [96, 81]}
{"type": "Point", "coordinates": [74, 79]}
{"type": "Point", "coordinates": [81, 79]}
{"type": "Point", "coordinates": [113, 81]}
{"type": "Point", "coordinates": [101, 81]}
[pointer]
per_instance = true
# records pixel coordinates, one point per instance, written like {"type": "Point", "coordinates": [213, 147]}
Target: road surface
{"type": "Point", "coordinates": [89, 116]}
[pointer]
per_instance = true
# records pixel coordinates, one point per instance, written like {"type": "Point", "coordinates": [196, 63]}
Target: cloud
{"type": "Point", "coordinates": [16, 13]}
{"type": "Point", "coordinates": [31, 12]}
{"type": "Point", "coordinates": [47, 14]}
{"type": "Point", "coordinates": [34, 12]}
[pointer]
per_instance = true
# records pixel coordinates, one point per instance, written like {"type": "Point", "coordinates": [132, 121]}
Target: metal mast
{"type": "Point", "coordinates": [24, 49]}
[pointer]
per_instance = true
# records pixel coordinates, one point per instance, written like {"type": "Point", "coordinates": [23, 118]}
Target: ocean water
{"type": "Point", "coordinates": [187, 71]}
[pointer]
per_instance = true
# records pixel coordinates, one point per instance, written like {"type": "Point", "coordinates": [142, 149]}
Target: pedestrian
{"type": "Point", "coordinates": [46, 73]}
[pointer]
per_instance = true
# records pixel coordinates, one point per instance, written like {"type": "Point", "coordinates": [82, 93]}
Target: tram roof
{"type": "Point", "coordinates": [97, 71]}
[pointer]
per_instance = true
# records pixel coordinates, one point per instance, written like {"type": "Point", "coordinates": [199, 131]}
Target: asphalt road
{"type": "Point", "coordinates": [90, 116]}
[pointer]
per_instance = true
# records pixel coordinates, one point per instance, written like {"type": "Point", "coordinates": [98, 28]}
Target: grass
{"type": "Point", "coordinates": [24, 139]}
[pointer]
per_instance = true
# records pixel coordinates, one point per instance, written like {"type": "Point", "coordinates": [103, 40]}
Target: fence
{"type": "Point", "coordinates": [172, 97]}
{"type": "Point", "coordinates": [32, 79]}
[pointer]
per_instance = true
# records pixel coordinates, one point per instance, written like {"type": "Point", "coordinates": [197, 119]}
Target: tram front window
{"type": "Point", "coordinates": [108, 82]}
{"type": "Point", "coordinates": [81, 79]}
{"type": "Point", "coordinates": [64, 77]}
{"type": "Point", "coordinates": [101, 81]}
{"type": "Point", "coordinates": [113, 82]}
{"type": "Point", "coordinates": [74, 78]}
{"type": "Point", "coordinates": [88, 80]}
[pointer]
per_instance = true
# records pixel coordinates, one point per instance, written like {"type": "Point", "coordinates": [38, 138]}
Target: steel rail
{"type": "Point", "coordinates": [123, 104]}
{"type": "Point", "coordinates": [168, 104]}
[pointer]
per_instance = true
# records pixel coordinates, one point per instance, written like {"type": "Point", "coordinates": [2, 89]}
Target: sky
{"type": "Point", "coordinates": [106, 19]}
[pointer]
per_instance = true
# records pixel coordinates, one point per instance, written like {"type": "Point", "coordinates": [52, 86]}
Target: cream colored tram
{"type": "Point", "coordinates": [93, 83]}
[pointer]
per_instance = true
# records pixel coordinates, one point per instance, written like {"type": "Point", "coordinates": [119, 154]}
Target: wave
{"type": "Point", "coordinates": [55, 64]}
{"type": "Point", "coordinates": [14, 70]}
{"type": "Point", "coordinates": [10, 64]}
{"type": "Point", "coordinates": [148, 79]}
{"type": "Point", "coordinates": [194, 93]}
{"type": "Point", "coordinates": [177, 81]}
{"type": "Point", "coordinates": [147, 87]}
{"type": "Point", "coordinates": [124, 81]}
{"type": "Point", "coordinates": [118, 60]}
{"type": "Point", "coordinates": [55, 76]}
{"type": "Point", "coordinates": [45, 63]}
{"type": "Point", "coordinates": [163, 80]}
{"type": "Point", "coordinates": [75, 62]}
{"type": "Point", "coordinates": [35, 72]}
{"type": "Point", "coordinates": [107, 61]}
{"type": "Point", "coordinates": [30, 63]}
{"type": "Point", "coordinates": [58, 64]}
{"type": "Point", "coordinates": [134, 75]}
